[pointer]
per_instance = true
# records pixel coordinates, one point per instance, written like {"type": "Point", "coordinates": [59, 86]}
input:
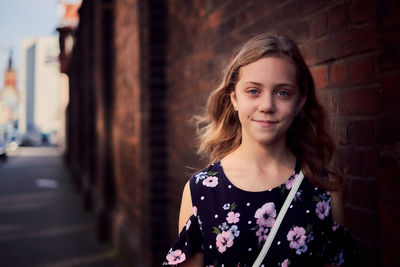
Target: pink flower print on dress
{"type": "Point", "coordinates": [266, 215]}
{"type": "Point", "coordinates": [175, 257]}
{"type": "Point", "coordinates": [211, 181]}
{"type": "Point", "coordinates": [289, 183]}
{"type": "Point", "coordinates": [233, 217]}
{"type": "Point", "coordinates": [297, 237]}
{"type": "Point", "coordinates": [224, 240]}
{"type": "Point", "coordinates": [262, 234]}
{"type": "Point", "coordinates": [195, 210]}
{"type": "Point", "coordinates": [285, 263]}
{"type": "Point", "coordinates": [322, 209]}
{"type": "Point", "coordinates": [335, 226]}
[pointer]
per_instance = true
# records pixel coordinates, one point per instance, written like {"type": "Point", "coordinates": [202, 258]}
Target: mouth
{"type": "Point", "coordinates": [266, 123]}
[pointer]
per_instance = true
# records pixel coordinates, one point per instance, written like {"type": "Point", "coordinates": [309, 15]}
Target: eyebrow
{"type": "Point", "coordinates": [254, 83]}
{"type": "Point", "coordinates": [278, 85]}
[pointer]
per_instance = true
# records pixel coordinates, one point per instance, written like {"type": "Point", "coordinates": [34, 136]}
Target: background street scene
{"type": "Point", "coordinates": [42, 222]}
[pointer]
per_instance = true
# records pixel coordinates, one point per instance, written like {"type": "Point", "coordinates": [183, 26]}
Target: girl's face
{"type": "Point", "coordinates": [267, 99]}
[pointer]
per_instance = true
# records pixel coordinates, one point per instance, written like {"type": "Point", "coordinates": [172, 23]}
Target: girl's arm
{"type": "Point", "coordinates": [185, 212]}
{"type": "Point", "coordinates": [186, 207]}
{"type": "Point", "coordinates": [195, 261]}
{"type": "Point", "coordinates": [337, 206]}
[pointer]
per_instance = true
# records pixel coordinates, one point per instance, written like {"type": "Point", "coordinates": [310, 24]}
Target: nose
{"type": "Point", "coordinates": [266, 104]}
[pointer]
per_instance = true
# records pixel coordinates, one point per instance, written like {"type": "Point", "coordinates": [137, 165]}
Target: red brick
{"type": "Point", "coordinates": [285, 14]}
{"type": "Point", "coordinates": [389, 182]}
{"type": "Point", "coordinates": [346, 189]}
{"type": "Point", "coordinates": [362, 223]}
{"type": "Point", "coordinates": [298, 30]}
{"type": "Point", "coordinates": [324, 50]}
{"type": "Point", "coordinates": [389, 250]}
{"type": "Point", "coordinates": [308, 53]}
{"type": "Point", "coordinates": [310, 6]}
{"type": "Point", "coordinates": [370, 163]}
{"type": "Point", "coordinates": [325, 98]}
{"type": "Point", "coordinates": [338, 17]}
{"type": "Point", "coordinates": [388, 14]}
{"type": "Point", "coordinates": [215, 19]}
{"type": "Point", "coordinates": [360, 70]}
{"type": "Point", "coordinates": [363, 193]}
{"type": "Point", "coordinates": [368, 251]}
{"type": "Point", "coordinates": [362, 10]}
{"type": "Point", "coordinates": [338, 73]}
{"type": "Point", "coordinates": [361, 101]}
{"type": "Point", "coordinates": [345, 43]}
{"type": "Point", "coordinates": [389, 215]}
{"type": "Point", "coordinates": [390, 93]}
{"type": "Point", "coordinates": [387, 129]}
{"type": "Point", "coordinates": [351, 160]}
{"type": "Point", "coordinates": [340, 127]}
{"type": "Point", "coordinates": [367, 37]}
{"type": "Point", "coordinates": [320, 75]}
{"type": "Point", "coordinates": [335, 102]}
{"type": "Point", "coordinates": [318, 25]}
{"type": "Point", "coordinates": [389, 56]}
{"type": "Point", "coordinates": [317, 51]}
{"type": "Point", "coordinates": [360, 132]}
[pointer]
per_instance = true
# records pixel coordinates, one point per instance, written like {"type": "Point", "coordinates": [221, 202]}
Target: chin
{"type": "Point", "coordinates": [270, 140]}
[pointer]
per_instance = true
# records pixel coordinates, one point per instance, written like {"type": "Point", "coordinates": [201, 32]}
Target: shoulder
{"type": "Point", "coordinates": [332, 200]}
{"type": "Point", "coordinates": [201, 177]}
{"type": "Point", "coordinates": [337, 206]}
{"type": "Point", "coordinates": [191, 191]}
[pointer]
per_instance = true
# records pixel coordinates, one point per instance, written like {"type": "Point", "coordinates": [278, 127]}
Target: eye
{"type": "Point", "coordinates": [252, 91]}
{"type": "Point", "coordinates": [282, 93]}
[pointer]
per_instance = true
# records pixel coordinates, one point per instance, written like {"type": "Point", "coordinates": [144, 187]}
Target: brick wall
{"type": "Point", "coordinates": [387, 128]}
{"type": "Point", "coordinates": [351, 49]}
{"type": "Point", "coordinates": [142, 68]}
{"type": "Point", "coordinates": [140, 127]}
{"type": "Point", "coordinates": [128, 142]}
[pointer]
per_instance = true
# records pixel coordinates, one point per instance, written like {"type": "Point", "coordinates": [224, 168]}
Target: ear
{"type": "Point", "coordinates": [234, 99]}
{"type": "Point", "coordinates": [300, 104]}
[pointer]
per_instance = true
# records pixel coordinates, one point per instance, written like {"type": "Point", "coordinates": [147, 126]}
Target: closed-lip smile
{"type": "Point", "coordinates": [266, 123]}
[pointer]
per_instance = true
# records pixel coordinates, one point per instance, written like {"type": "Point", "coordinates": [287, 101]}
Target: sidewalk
{"type": "Point", "coordinates": [42, 222]}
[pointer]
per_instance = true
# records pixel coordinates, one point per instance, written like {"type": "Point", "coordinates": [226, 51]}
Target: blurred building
{"type": "Point", "coordinates": [40, 89]}
{"type": "Point", "coordinates": [9, 101]}
{"type": "Point", "coordinates": [69, 19]}
{"type": "Point", "coordinates": [140, 69]}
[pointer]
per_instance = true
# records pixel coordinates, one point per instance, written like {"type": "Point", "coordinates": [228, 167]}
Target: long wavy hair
{"type": "Point", "coordinates": [219, 129]}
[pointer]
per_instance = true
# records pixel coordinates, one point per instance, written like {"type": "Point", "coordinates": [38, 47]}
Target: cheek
{"type": "Point", "coordinates": [289, 108]}
{"type": "Point", "coordinates": [246, 108]}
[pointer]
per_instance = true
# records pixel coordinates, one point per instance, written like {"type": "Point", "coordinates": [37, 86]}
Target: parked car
{"type": "Point", "coordinates": [31, 139]}
{"type": "Point", "coordinates": [3, 154]}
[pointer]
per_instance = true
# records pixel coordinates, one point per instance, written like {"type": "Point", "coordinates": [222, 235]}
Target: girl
{"type": "Point", "coordinates": [261, 126]}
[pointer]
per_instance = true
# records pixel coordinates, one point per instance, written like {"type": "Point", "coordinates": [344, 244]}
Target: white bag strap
{"type": "Point", "coordinates": [278, 221]}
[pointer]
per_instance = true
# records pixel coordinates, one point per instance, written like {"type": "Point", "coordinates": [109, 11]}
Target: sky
{"type": "Point", "coordinates": [24, 19]}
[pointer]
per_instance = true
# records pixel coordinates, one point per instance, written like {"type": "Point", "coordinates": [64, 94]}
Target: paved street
{"type": "Point", "coordinates": [41, 218]}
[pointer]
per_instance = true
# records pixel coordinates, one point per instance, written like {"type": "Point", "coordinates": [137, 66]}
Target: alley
{"type": "Point", "coordinates": [41, 218]}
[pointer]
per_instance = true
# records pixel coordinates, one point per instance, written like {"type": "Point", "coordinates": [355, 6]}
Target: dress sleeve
{"type": "Point", "coordinates": [189, 242]}
{"type": "Point", "coordinates": [340, 248]}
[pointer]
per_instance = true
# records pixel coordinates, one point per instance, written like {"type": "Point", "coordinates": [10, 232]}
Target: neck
{"type": "Point", "coordinates": [264, 157]}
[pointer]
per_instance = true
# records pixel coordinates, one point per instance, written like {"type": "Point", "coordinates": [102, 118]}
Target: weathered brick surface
{"type": "Point", "coordinates": [320, 75]}
{"type": "Point", "coordinates": [164, 59]}
{"type": "Point", "coordinates": [339, 73]}
{"type": "Point", "coordinates": [347, 51]}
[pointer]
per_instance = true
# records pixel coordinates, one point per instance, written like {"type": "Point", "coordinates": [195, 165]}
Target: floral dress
{"type": "Point", "coordinates": [230, 225]}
